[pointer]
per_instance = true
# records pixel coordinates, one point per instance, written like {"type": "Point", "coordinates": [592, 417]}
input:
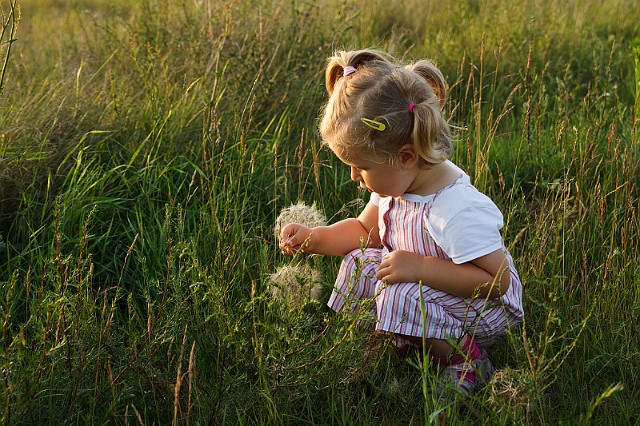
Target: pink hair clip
{"type": "Point", "coordinates": [348, 70]}
{"type": "Point", "coordinates": [411, 106]}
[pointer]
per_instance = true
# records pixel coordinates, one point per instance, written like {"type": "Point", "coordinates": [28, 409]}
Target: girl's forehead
{"type": "Point", "coordinates": [358, 157]}
{"type": "Point", "coordinates": [345, 154]}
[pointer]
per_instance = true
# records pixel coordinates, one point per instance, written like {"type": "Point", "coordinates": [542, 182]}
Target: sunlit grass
{"type": "Point", "coordinates": [148, 148]}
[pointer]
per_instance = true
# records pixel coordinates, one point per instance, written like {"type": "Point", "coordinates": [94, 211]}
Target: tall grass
{"type": "Point", "coordinates": [146, 149]}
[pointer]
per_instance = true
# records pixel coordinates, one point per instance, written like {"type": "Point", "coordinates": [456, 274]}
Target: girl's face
{"type": "Point", "coordinates": [379, 176]}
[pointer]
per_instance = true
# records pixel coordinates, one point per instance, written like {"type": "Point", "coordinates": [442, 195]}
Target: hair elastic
{"type": "Point", "coordinates": [411, 106]}
{"type": "Point", "coordinates": [375, 125]}
{"type": "Point", "coordinates": [348, 70]}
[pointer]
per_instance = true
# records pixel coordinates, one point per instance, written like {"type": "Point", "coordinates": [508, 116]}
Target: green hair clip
{"type": "Point", "coordinates": [375, 125]}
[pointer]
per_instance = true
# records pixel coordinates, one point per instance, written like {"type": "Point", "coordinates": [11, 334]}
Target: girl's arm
{"type": "Point", "coordinates": [337, 239]}
{"type": "Point", "coordinates": [485, 277]}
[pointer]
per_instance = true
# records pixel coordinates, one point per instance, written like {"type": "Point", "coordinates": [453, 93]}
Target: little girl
{"type": "Point", "coordinates": [433, 257]}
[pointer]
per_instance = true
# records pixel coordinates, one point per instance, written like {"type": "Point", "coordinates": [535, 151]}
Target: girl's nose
{"type": "Point", "coordinates": [355, 176]}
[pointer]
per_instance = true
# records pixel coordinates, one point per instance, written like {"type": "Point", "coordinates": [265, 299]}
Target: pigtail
{"type": "Point", "coordinates": [427, 70]}
{"type": "Point", "coordinates": [431, 134]}
{"type": "Point", "coordinates": [341, 60]}
{"type": "Point", "coordinates": [335, 71]}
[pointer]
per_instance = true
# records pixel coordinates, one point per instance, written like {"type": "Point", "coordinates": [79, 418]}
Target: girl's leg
{"type": "Point", "coordinates": [410, 311]}
{"type": "Point", "coordinates": [438, 349]}
{"type": "Point", "coordinates": [355, 284]}
{"type": "Point", "coordinates": [465, 367]}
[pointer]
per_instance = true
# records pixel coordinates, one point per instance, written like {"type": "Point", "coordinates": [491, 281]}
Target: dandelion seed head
{"type": "Point", "coordinates": [395, 388]}
{"type": "Point", "coordinates": [300, 213]}
{"type": "Point", "coordinates": [295, 284]}
{"type": "Point", "coordinates": [511, 388]}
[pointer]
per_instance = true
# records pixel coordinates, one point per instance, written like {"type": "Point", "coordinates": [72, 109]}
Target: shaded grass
{"type": "Point", "coordinates": [146, 152]}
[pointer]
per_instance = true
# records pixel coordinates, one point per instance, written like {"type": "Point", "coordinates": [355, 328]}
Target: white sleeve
{"type": "Point", "coordinates": [468, 230]}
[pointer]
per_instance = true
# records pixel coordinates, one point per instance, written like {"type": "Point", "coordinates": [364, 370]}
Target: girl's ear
{"type": "Point", "coordinates": [408, 156]}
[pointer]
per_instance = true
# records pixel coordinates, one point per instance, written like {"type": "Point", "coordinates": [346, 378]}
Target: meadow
{"type": "Point", "coordinates": [147, 148]}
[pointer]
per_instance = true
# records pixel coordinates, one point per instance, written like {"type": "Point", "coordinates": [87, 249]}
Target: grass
{"type": "Point", "coordinates": [147, 148]}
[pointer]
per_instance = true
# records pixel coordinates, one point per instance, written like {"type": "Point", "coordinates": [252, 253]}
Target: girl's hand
{"type": "Point", "coordinates": [294, 238]}
{"type": "Point", "coordinates": [401, 266]}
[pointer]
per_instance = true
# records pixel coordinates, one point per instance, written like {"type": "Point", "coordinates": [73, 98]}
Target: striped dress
{"type": "Point", "coordinates": [411, 309]}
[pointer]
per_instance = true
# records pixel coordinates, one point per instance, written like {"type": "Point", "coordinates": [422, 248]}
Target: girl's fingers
{"type": "Point", "coordinates": [289, 250]}
{"type": "Point", "coordinates": [286, 239]}
{"type": "Point", "coordinates": [381, 273]}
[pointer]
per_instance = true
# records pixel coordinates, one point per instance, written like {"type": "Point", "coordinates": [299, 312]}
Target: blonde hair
{"type": "Point", "coordinates": [382, 91]}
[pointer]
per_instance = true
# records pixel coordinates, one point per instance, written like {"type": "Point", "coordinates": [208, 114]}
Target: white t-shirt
{"type": "Point", "coordinates": [464, 222]}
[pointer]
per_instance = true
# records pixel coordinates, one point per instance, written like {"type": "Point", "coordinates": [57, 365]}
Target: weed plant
{"type": "Point", "coordinates": [147, 148]}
